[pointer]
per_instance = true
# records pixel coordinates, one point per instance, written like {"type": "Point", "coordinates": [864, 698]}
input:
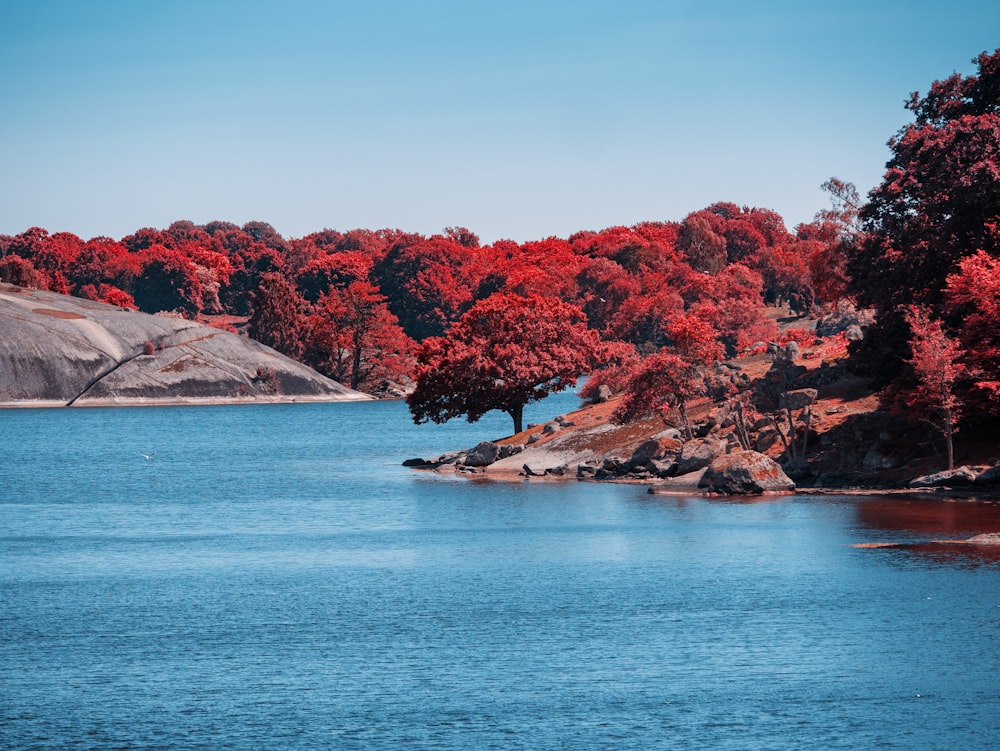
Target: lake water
{"type": "Point", "coordinates": [272, 578]}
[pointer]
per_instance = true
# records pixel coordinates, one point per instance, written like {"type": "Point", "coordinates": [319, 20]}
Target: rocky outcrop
{"type": "Point", "coordinates": [58, 350]}
{"type": "Point", "coordinates": [951, 478]}
{"type": "Point", "coordinates": [745, 473]}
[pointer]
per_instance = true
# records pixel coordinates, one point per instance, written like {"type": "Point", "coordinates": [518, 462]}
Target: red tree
{"type": "Point", "coordinates": [972, 304]}
{"type": "Point", "coordinates": [505, 352]}
{"type": "Point", "coordinates": [939, 201]}
{"type": "Point", "coordinates": [355, 339]}
{"type": "Point", "coordinates": [671, 379]}
{"type": "Point", "coordinates": [936, 365]}
{"type": "Point", "coordinates": [276, 319]}
{"type": "Point", "coordinates": [662, 382]}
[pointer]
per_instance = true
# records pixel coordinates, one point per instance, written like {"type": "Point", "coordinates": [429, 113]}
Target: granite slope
{"type": "Point", "coordinates": [57, 350]}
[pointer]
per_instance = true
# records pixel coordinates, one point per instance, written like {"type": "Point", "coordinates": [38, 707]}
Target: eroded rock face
{"type": "Point", "coordinates": [745, 473]}
{"type": "Point", "coordinates": [56, 349]}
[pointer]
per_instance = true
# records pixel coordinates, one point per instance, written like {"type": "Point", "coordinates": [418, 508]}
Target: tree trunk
{"type": "Point", "coordinates": [682, 408]}
{"type": "Point", "coordinates": [949, 432]}
{"type": "Point", "coordinates": [356, 367]}
{"type": "Point", "coordinates": [516, 414]}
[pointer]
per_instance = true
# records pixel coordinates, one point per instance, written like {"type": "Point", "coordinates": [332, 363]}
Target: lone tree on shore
{"type": "Point", "coordinates": [505, 352]}
{"type": "Point", "coordinates": [937, 367]}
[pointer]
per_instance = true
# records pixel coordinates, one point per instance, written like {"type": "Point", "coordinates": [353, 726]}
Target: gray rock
{"type": "Point", "coordinates": [693, 458]}
{"type": "Point", "coordinates": [646, 451]}
{"type": "Point", "coordinates": [672, 433]}
{"type": "Point", "coordinates": [482, 455]}
{"type": "Point", "coordinates": [661, 469]}
{"type": "Point", "coordinates": [989, 538]}
{"type": "Point", "coordinates": [988, 479]}
{"type": "Point", "coordinates": [507, 450]}
{"type": "Point", "coordinates": [950, 478]}
{"type": "Point", "coordinates": [745, 473]}
{"type": "Point", "coordinates": [65, 350]}
{"type": "Point", "coordinates": [602, 395]}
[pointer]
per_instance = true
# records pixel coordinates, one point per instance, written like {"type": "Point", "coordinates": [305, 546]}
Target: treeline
{"type": "Point", "coordinates": [355, 305]}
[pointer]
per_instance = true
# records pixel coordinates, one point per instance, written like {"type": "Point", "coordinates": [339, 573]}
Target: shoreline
{"type": "Point", "coordinates": [688, 485]}
{"type": "Point", "coordinates": [207, 401]}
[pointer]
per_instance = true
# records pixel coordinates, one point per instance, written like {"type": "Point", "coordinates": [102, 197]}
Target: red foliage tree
{"type": "Point", "coordinates": [972, 304]}
{"type": "Point", "coordinates": [168, 280]}
{"type": "Point", "coordinates": [662, 382]}
{"type": "Point", "coordinates": [701, 237]}
{"type": "Point", "coordinates": [107, 293]}
{"type": "Point", "coordinates": [327, 272]}
{"type": "Point", "coordinates": [505, 352]}
{"type": "Point", "coordinates": [22, 272]}
{"type": "Point", "coordinates": [938, 202]}
{"type": "Point", "coordinates": [937, 368]}
{"type": "Point", "coordinates": [277, 319]}
{"type": "Point", "coordinates": [425, 283]}
{"type": "Point", "coordinates": [355, 339]}
{"type": "Point", "coordinates": [672, 377]}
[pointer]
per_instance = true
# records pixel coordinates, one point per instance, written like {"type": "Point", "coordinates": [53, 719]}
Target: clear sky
{"type": "Point", "coordinates": [515, 118]}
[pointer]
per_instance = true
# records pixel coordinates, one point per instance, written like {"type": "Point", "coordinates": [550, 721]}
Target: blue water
{"type": "Point", "coordinates": [272, 578]}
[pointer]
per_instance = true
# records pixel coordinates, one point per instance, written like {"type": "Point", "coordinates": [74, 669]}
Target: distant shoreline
{"type": "Point", "coordinates": [178, 402]}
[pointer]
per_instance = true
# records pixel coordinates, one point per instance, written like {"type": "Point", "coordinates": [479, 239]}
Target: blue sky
{"type": "Point", "coordinates": [515, 119]}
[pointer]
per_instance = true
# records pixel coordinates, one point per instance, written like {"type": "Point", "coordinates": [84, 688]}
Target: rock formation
{"type": "Point", "coordinates": [745, 473]}
{"type": "Point", "coordinates": [58, 350]}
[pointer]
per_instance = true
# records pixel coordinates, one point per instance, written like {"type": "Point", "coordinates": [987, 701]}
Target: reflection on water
{"type": "Point", "coordinates": [934, 528]}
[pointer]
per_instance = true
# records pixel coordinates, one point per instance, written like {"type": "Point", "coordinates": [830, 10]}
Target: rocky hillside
{"type": "Point", "coordinates": [842, 439]}
{"type": "Point", "coordinates": [57, 350]}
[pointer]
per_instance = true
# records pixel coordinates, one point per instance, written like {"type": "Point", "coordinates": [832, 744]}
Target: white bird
{"type": "Point", "coordinates": [147, 457]}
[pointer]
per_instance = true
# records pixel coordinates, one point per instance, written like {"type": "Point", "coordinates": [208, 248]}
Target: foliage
{"type": "Point", "coordinates": [353, 338]}
{"type": "Point", "coordinates": [972, 305]}
{"type": "Point", "coordinates": [276, 319]}
{"type": "Point", "coordinates": [937, 369]}
{"type": "Point", "coordinates": [507, 351]}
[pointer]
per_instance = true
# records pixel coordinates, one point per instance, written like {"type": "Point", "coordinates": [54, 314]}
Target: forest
{"type": "Point", "coordinates": [462, 328]}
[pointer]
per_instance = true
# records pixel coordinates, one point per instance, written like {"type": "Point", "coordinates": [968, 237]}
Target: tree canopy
{"type": "Point", "coordinates": [507, 351]}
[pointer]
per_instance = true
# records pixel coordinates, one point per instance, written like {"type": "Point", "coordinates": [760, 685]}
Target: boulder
{"type": "Point", "coordinates": [693, 458]}
{"type": "Point", "coordinates": [672, 433]}
{"type": "Point", "coordinates": [988, 479]}
{"type": "Point", "coordinates": [877, 459]}
{"type": "Point", "coordinates": [745, 473]}
{"type": "Point", "coordinates": [655, 448]}
{"type": "Point", "coordinates": [508, 450]}
{"type": "Point", "coordinates": [602, 395]}
{"type": "Point", "coordinates": [950, 478]}
{"type": "Point", "coordinates": [661, 469]}
{"type": "Point", "coordinates": [483, 455]}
